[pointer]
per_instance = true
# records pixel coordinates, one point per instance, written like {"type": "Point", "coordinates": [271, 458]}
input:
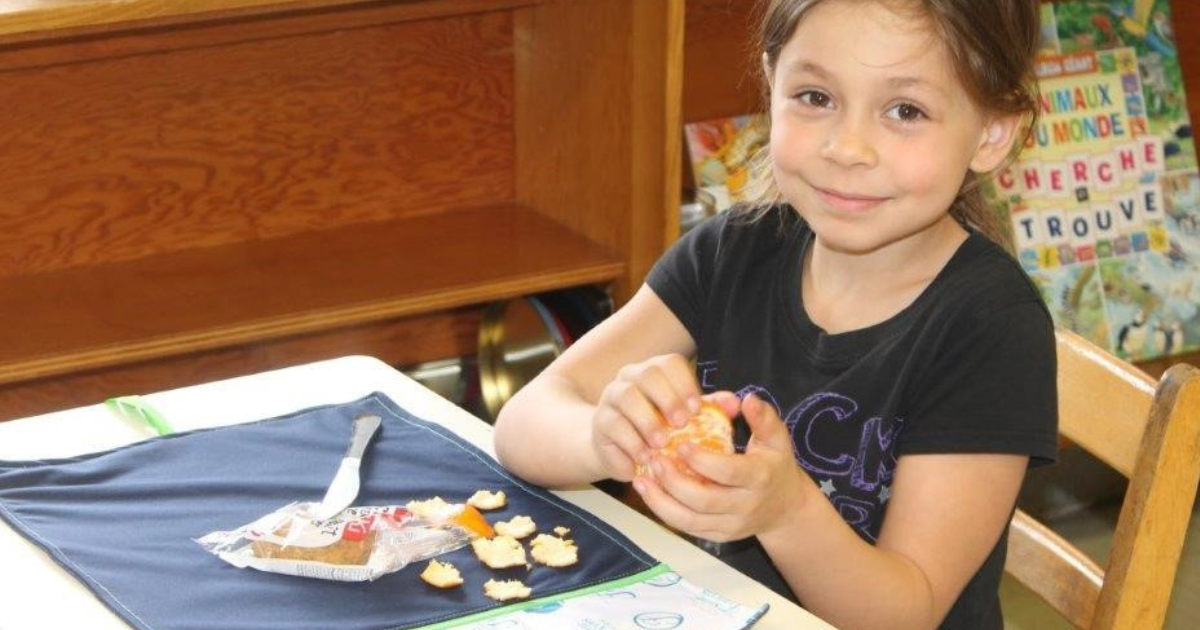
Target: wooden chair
{"type": "Point", "coordinates": [1148, 432]}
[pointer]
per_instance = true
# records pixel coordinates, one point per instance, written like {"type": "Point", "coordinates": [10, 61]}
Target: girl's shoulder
{"type": "Point", "coordinates": [743, 225]}
{"type": "Point", "coordinates": [746, 235]}
{"type": "Point", "coordinates": [983, 277]}
{"type": "Point", "coordinates": [777, 218]}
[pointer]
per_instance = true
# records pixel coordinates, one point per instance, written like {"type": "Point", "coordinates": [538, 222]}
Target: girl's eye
{"type": "Point", "coordinates": [906, 112]}
{"type": "Point", "coordinates": [813, 98]}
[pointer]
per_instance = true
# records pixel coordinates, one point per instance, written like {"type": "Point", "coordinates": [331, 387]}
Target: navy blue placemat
{"type": "Point", "coordinates": [123, 522]}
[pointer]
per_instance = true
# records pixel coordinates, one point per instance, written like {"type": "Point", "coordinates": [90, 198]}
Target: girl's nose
{"type": "Point", "coordinates": [849, 144]}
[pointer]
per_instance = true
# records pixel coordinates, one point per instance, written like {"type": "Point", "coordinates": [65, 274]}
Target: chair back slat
{"type": "Point", "coordinates": [1049, 565]}
{"type": "Point", "coordinates": [1103, 402]}
{"type": "Point", "coordinates": [1158, 504]}
{"type": "Point", "coordinates": [1151, 434]}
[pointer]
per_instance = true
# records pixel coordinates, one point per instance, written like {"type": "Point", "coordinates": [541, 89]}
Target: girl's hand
{"type": "Point", "coordinates": [749, 494]}
{"type": "Point", "coordinates": [629, 418]}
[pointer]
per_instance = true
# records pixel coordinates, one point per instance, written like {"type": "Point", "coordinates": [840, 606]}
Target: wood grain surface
{"type": "Point", "coordinates": [37, 20]}
{"type": "Point", "coordinates": [101, 315]}
{"type": "Point", "coordinates": [598, 122]}
{"type": "Point", "coordinates": [119, 159]}
{"type": "Point", "coordinates": [187, 183]}
{"type": "Point", "coordinates": [399, 342]}
{"type": "Point", "coordinates": [721, 72]}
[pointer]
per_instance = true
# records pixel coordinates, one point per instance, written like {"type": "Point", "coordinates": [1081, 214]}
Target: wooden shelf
{"type": "Point", "coordinates": [95, 316]}
{"type": "Point", "coordinates": [195, 189]}
{"type": "Point", "coordinates": [35, 20]}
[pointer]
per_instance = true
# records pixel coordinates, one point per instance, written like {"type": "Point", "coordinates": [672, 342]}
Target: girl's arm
{"type": "Point", "coordinates": [587, 416]}
{"type": "Point", "coordinates": [943, 518]}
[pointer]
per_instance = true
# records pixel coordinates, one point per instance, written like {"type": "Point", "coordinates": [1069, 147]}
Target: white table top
{"type": "Point", "coordinates": [63, 602]}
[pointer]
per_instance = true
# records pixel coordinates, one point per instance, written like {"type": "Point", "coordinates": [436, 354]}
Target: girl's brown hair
{"type": "Point", "coordinates": [992, 44]}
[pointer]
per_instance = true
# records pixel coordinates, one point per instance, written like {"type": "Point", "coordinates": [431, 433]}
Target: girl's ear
{"type": "Point", "coordinates": [766, 70]}
{"type": "Point", "coordinates": [995, 143]}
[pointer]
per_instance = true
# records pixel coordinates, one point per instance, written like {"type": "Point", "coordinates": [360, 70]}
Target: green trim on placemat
{"type": "Point", "coordinates": [636, 578]}
{"type": "Point", "coordinates": [137, 410]}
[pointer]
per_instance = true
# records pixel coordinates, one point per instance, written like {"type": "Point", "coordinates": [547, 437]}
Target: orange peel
{"type": "Point", "coordinates": [471, 520]}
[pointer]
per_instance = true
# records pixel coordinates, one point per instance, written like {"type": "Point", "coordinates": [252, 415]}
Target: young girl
{"type": "Point", "coordinates": [894, 366]}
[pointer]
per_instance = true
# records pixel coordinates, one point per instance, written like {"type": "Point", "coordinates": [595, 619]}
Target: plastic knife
{"type": "Point", "coordinates": [344, 488]}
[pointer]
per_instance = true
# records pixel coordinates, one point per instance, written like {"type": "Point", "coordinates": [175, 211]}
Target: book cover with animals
{"type": "Point", "coordinates": [1104, 202]}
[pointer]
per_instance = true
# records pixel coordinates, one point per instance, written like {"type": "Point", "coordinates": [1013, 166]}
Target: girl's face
{"type": "Point", "coordinates": [871, 132]}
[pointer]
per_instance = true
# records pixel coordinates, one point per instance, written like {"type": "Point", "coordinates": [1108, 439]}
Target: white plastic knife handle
{"type": "Point", "coordinates": [360, 435]}
{"type": "Point", "coordinates": [344, 489]}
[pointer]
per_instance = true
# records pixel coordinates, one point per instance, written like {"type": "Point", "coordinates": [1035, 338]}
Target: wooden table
{"type": "Point", "coordinates": [63, 602]}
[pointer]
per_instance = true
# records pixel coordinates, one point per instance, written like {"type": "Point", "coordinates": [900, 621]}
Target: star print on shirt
{"type": "Point", "coordinates": [827, 487]}
{"type": "Point", "coordinates": [885, 493]}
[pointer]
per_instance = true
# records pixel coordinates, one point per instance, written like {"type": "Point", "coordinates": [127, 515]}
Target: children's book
{"type": "Point", "coordinates": [721, 150]}
{"type": "Point", "coordinates": [1104, 201]}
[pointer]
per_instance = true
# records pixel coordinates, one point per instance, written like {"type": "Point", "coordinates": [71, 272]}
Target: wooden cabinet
{"type": "Point", "coordinates": [191, 190]}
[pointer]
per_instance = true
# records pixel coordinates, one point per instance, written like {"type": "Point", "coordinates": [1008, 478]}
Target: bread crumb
{"type": "Point", "coordinates": [435, 509]}
{"type": "Point", "coordinates": [442, 575]}
{"type": "Point", "coordinates": [562, 531]}
{"type": "Point", "coordinates": [553, 551]}
{"type": "Point", "coordinates": [487, 500]}
{"type": "Point", "coordinates": [499, 552]}
{"type": "Point", "coordinates": [517, 527]}
{"type": "Point", "coordinates": [506, 590]}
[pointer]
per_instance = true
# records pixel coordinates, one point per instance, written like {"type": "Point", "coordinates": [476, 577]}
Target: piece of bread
{"type": "Point", "coordinates": [442, 575]}
{"type": "Point", "coordinates": [500, 552]}
{"type": "Point", "coordinates": [487, 500]}
{"type": "Point", "coordinates": [505, 590]}
{"type": "Point", "coordinates": [709, 429]}
{"type": "Point", "coordinates": [553, 551]}
{"type": "Point", "coordinates": [347, 550]}
{"type": "Point", "coordinates": [562, 531]}
{"type": "Point", "coordinates": [517, 527]}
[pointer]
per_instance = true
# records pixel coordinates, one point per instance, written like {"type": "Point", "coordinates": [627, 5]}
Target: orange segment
{"type": "Point", "coordinates": [710, 429]}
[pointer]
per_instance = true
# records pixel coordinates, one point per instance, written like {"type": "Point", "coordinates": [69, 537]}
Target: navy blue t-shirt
{"type": "Point", "coordinates": [968, 367]}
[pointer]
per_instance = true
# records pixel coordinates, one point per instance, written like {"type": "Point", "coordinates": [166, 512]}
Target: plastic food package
{"type": "Point", "coordinates": [359, 544]}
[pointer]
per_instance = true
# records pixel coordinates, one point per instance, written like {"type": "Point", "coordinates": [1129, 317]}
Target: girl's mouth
{"type": "Point", "coordinates": [849, 201]}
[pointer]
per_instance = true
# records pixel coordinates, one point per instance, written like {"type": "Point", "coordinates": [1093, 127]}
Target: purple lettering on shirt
{"type": "Point", "coordinates": [856, 513]}
{"type": "Point", "coordinates": [866, 461]}
{"type": "Point", "coordinates": [707, 371]}
{"type": "Point", "coordinates": [876, 459]}
{"type": "Point", "coordinates": [805, 418]}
